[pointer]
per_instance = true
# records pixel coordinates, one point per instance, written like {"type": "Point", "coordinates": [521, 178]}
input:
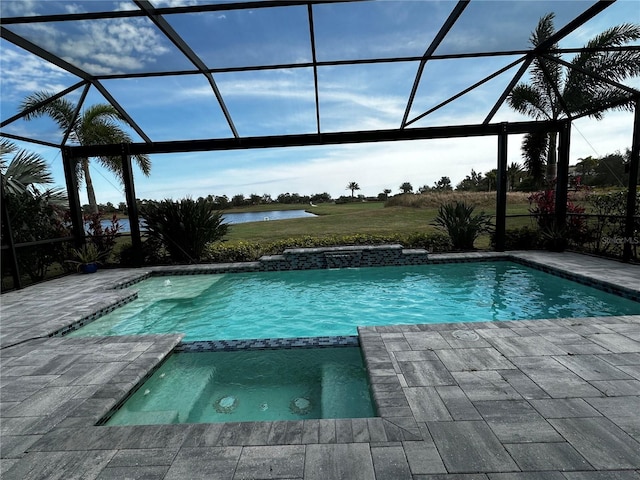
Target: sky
{"type": "Point", "coordinates": [282, 101]}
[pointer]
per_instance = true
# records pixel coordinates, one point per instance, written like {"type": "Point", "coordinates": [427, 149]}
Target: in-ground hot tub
{"type": "Point", "coordinates": [251, 385]}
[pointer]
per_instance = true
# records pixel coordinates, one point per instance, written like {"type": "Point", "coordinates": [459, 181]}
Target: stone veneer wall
{"type": "Point", "coordinates": [343, 257]}
{"type": "Point", "coordinates": [309, 259]}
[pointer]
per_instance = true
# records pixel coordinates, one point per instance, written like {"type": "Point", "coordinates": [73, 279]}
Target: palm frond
{"type": "Point", "coordinates": [100, 112]}
{"type": "Point", "coordinates": [6, 146]}
{"type": "Point", "coordinates": [529, 101]}
{"type": "Point", "coordinates": [25, 170]}
{"type": "Point", "coordinates": [60, 110]}
{"type": "Point", "coordinates": [144, 164]}
{"type": "Point", "coordinates": [54, 196]}
{"type": "Point", "coordinates": [584, 92]}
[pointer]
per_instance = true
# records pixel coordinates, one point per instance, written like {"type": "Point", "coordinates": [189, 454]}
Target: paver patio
{"type": "Point", "coordinates": [538, 399]}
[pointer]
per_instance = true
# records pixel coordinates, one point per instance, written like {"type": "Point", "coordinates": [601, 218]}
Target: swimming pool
{"type": "Point", "coordinates": [264, 385]}
{"type": "Point", "coordinates": [311, 303]}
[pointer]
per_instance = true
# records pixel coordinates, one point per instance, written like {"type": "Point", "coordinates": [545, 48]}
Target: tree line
{"type": "Point", "coordinates": [609, 170]}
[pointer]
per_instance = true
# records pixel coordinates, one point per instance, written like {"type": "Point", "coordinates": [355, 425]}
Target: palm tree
{"type": "Point", "coordinates": [98, 124]}
{"type": "Point", "coordinates": [554, 88]}
{"type": "Point", "coordinates": [25, 173]}
{"type": "Point", "coordinates": [406, 187]}
{"type": "Point", "coordinates": [514, 171]}
{"type": "Point", "coordinates": [353, 186]}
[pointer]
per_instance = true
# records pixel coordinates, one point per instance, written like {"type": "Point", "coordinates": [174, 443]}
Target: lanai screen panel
{"type": "Point", "coordinates": [277, 68]}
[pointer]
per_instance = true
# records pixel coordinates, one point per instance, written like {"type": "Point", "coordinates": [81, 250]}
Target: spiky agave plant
{"type": "Point", "coordinates": [184, 227]}
{"type": "Point", "coordinates": [462, 225]}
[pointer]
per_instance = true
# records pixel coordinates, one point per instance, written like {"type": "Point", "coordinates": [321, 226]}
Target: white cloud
{"type": "Point", "coordinates": [20, 8]}
{"type": "Point", "coordinates": [23, 73]}
{"type": "Point", "coordinates": [102, 47]}
{"type": "Point", "coordinates": [174, 3]}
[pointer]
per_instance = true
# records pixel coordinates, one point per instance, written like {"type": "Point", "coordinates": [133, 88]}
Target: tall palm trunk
{"type": "Point", "coordinates": [91, 194]}
{"type": "Point", "coordinates": [552, 157]}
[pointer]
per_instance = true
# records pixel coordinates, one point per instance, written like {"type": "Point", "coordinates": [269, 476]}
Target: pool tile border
{"type": "Point", "coordinates": [94, 316]}
{"type": "Point", "coordinates": [267, 344]}
{"type": "Point", "coordinates": [582, 279]}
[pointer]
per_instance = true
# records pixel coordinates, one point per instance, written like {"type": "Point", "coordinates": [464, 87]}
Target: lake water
{"type": "Point", "coordinates": [234, 218]}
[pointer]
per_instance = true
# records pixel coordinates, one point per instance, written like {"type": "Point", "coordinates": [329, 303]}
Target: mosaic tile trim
{"type": "Point", "coordinates": [93, 316]}
{"type": "Point", "coordinates": [129, 283]}
{"type": "Point", "coordinates": [267, 344]}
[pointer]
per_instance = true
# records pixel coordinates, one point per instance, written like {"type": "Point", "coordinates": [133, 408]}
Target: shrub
{"type": "Point", "coordinates": [609, 227]}
{"type": "Point", "coordinates": [153, 253]}
{"type": "Point", "coordinates": [249, 251]}
{"type": "Point", "coordinates": [461, 224]}
{"type": "Point", "coordinates": [523, 238]}
{"type": "Point", "coordinates": [543, 206]}
{"type": "Point", "coordinates": [103, 238]}
{"type": "Point", "coordinates": [34, 218]}
{"type": "Point", "coordinates": [184, 228]}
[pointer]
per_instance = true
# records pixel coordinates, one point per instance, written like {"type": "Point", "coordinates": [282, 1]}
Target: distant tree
{"type": "Point", "coordinates": [384, 195]}
{"type": "Point", "coordinates": [424, 189]}
{"type": "Point", "coordinates": [255, 199]}
{"type": "Point", "coordinates": [221, 202]}
{"type": "Point", "coordinates": [238, 200]}
{"type": "Point", "coordinates": [266, 198]}
{"type": "Point", "coordinates": [443, 184]}
{"type": "Point", "coordinates": [353, 186]}
{"type": "Point", "coordinates": [514, 175]}
{"type": "Point", "coordinates": [471, 183]}
{"type": "Point", "coordinates": [610, 171]}
{"type": "Point", "coordinates": [320, 198]}
{"type": "Point", "coordinates": [122, 207]}
{"type": "Point", "coordinates": [491, 180]}
{"type": "Point", "coordinates": [406, 187]}
{"type": "Point", "coordinates": [586, 167]}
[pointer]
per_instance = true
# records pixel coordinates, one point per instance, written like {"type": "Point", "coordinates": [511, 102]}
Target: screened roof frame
{"type": "Point", "coordinates": [156, 15]}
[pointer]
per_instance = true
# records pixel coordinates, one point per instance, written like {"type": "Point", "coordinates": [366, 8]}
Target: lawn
{"type": "Point", "coordinates": [355, 218]}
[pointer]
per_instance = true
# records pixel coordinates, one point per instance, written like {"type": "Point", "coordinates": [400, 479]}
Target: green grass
{"type": "Point", "coordinates": [355, 218]}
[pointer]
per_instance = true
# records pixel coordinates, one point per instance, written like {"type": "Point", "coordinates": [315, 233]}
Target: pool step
{"type": "Point", "coordinates": [335, 391]}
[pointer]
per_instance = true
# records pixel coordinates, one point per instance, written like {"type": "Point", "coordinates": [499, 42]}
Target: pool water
{"type": "Point", "coordinates": [263, 385]}
{"type": "Point", "coordinates": [311, 303]}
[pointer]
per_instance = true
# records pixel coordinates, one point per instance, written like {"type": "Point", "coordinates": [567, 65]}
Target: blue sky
{"type": "Point", "coordinates": [275, 102]}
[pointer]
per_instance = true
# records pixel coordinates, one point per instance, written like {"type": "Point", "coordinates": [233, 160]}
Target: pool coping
{"type": "Point", "coordinates": [397, 427]}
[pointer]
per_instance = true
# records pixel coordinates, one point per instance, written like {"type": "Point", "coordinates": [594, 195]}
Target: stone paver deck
{"type": "Point", "coordinates": [539, 399]}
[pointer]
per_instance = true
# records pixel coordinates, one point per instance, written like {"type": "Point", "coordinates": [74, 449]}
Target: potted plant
{"type": "Point", "coordinates": [88, 258]}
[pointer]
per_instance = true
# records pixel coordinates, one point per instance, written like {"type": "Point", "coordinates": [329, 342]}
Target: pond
{"type": "Point", "coordinates": [235, 218]}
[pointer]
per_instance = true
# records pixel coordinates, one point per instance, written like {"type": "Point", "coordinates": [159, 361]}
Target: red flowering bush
{"type": "Point", "coordinates": [543, 207]}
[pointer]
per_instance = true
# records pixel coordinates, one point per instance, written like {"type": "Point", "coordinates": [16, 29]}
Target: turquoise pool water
{"type": "Point", "coordinates": [261, 385]}
{"type": "Point", "coordinates": [314, 303]}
